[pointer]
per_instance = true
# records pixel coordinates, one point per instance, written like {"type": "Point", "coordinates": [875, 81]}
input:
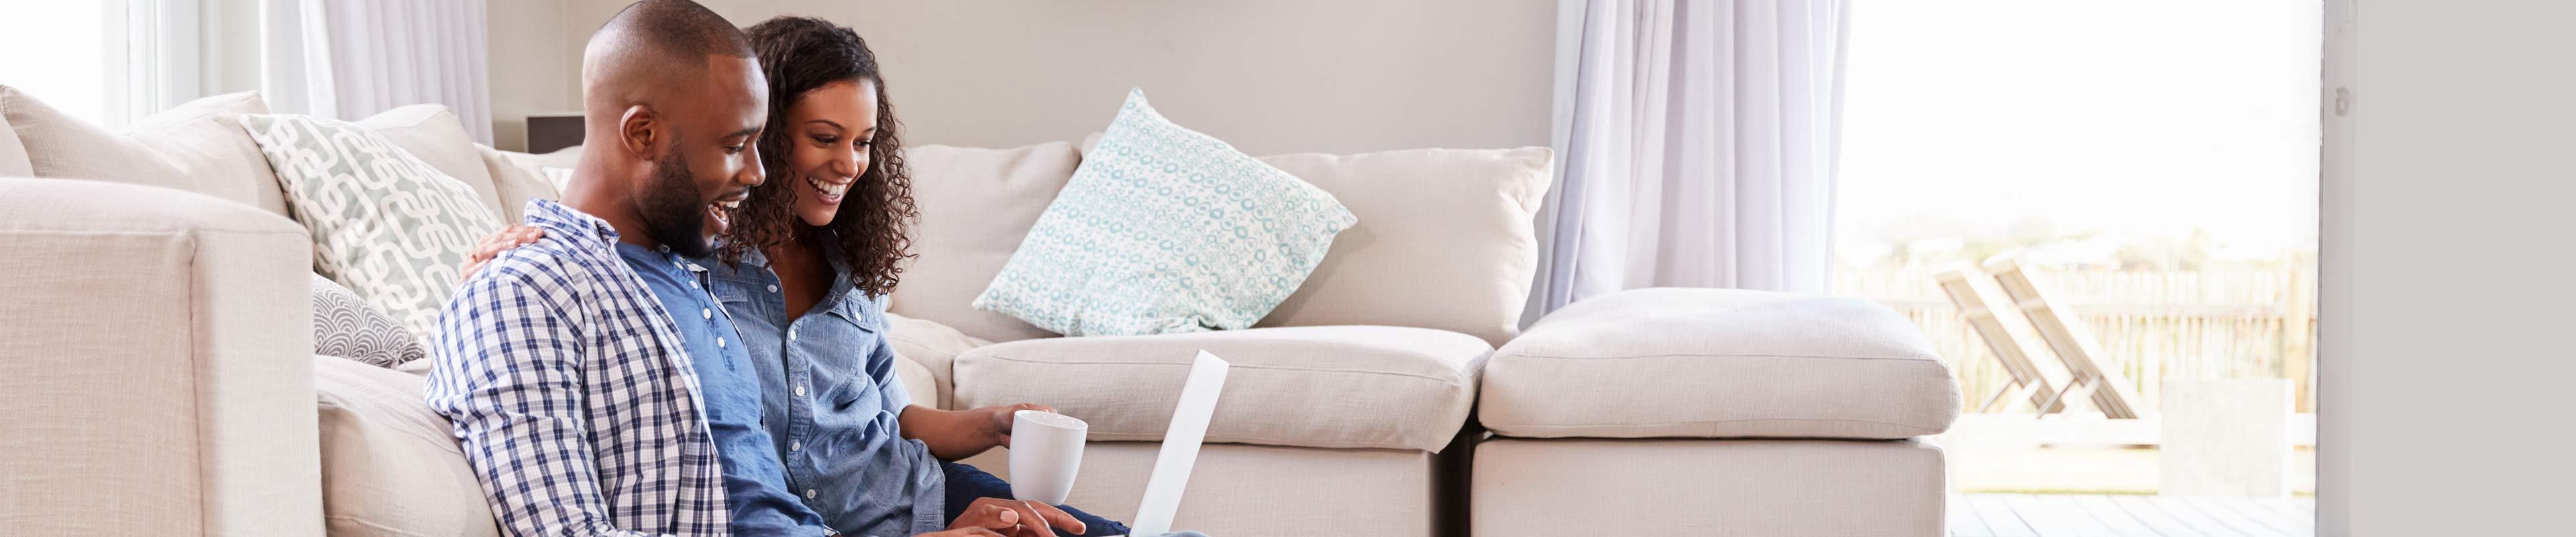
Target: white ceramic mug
{"type": "Point", "coordinates": [1046, 451]}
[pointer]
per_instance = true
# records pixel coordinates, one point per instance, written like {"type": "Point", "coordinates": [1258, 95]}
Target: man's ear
{"type": "Point", "coordinates": [641, 133]}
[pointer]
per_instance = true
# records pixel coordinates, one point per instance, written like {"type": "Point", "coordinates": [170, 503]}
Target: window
{"type": "Point", "coordinates": [2153, 163]}
{"type": "Point", "coordinates": [64, 55]}
{"type": "Point", "coordinates": [106, 61]}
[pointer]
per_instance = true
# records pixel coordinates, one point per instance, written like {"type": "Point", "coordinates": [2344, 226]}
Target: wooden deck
{"type": "Point", "coordinates": [2048, 515]}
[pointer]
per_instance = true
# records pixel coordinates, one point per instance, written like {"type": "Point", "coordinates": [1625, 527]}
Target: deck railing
{"type": "Point", "coordinates": [2239, 322]}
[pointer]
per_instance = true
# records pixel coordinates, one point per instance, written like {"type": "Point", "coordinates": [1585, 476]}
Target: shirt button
{"type": "Point", "coordinates": [719, 342]}
{"type": "Point", "coordinates": [800, 390]}
{"type": "Point", "coordinates": [793, 445]}
{"type": "Point", "coordinates": [706, 313]}
{"type": "Point", "coordinates": [773, 288]}
{"type": "Point", "coordinates": [809, 494]}
{"type": "Point", "coordinates": [791, 334]}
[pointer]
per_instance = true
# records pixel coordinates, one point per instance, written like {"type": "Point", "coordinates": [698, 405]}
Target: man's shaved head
{"type": "Point", "coordinates": [654, 40]}
{"type": "Point", "coordinates": [673, 97]}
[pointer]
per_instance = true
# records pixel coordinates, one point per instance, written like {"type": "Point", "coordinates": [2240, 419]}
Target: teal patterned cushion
{"type": "Point", "coordinates": [1163, 229]}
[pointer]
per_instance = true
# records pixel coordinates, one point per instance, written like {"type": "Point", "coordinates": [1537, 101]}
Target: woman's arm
{"type": "Point", "coordinates": [958, 434]}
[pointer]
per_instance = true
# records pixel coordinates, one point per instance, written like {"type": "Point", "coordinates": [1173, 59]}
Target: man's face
{"type": "Point", "coordinates": [700, 176]}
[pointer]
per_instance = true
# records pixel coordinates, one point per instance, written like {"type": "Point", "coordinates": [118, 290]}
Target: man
{"type": "Point", "coordinates": [572, 368]}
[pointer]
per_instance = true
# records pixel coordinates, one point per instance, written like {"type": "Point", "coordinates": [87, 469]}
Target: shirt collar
{"type": "Point", "coordinates": [754, 257]}
{"type": "Point", "coordinates": [575, 225]}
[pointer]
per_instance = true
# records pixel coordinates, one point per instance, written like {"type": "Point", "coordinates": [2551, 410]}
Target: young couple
{"type": "Point", "coordinates": [686, 345]}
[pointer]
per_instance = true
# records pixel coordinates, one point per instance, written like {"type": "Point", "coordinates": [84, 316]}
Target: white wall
{"type": "Point", "coordinates": [2446, 367]}
{"type": "Point", "coordinates": [1267, 76]}
{"type": "Point", "coordinates": [535, 55]}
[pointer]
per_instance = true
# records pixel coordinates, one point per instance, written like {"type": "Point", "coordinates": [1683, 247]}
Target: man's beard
{"type": "Point", "coordinates": [674, 211]}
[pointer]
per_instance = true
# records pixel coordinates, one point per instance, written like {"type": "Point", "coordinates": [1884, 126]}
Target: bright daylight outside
{"type": "Point", "coordinates": [2149, 170]}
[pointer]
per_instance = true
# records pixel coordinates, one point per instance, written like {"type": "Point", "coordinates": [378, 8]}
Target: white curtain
{"type": "Point", "coordinates": [1699, 148]}
{"type": "Point", "coordinates": [350, 59]}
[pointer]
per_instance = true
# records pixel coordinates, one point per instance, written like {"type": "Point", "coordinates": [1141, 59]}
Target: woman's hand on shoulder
{"type": "Point", "coordinates": [509, 237]}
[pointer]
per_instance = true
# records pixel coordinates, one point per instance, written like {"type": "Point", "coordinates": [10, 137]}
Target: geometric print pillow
{"type": "Point", "coordinates": [344, 326]}
{"type": "Point", "coordinates": [1163, 229]}
{"type": "Point", "coordinates": [385, 224]}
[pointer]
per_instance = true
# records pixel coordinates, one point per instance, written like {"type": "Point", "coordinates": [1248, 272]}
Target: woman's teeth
{"type": "Point", "coordinates": [829, 190]}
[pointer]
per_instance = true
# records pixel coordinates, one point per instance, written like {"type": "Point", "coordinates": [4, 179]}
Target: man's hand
{"type": "Point", "coordinates": [509, 237]}
{"type": "Point", "coordinates": [966, 532]}
{"type": "Point", "coordinates": [1015, 518]}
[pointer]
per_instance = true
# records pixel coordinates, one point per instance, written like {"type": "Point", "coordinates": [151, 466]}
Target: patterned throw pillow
{"type": "Point", "coordinates": [385, 224]}
{"type": "Point", "coordinates": [1163, 229]}
{"type": "Point", "coordinates": [344, 326]}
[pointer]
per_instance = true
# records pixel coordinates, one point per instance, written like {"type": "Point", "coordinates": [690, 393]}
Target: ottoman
{"type": "Point", "coordinates": [1713, 412]}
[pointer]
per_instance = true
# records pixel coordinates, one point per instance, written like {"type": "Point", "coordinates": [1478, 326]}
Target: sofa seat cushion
{"type": "Point", "coordinates": [389, 464]}
{"type": "Point", "coordinates": [1719, 363]}
{"type": "Point", "coordinates": [1322, 386]}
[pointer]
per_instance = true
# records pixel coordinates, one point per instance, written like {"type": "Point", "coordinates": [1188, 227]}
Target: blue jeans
{"type": "Point", "coordinates": [965, 484]}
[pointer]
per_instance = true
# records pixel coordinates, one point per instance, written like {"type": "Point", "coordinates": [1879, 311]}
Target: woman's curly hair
{"type": "Point", "coordinates": [797, 55]}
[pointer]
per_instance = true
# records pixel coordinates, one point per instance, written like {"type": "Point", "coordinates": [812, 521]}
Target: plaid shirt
{"type": "Point", "coordinates": [571, 394]}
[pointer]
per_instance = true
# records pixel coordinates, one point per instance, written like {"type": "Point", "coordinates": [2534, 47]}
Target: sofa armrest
{"type": "Point", "coordinates": [934, 347]}
{"type": "Point", "coordinates": [155, 364]}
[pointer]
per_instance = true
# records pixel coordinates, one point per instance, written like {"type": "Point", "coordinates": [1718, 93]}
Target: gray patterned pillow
{"type": "Point", "coordinates": [385, 224]}
{"type": "Point", "coordinates": [344, 326]}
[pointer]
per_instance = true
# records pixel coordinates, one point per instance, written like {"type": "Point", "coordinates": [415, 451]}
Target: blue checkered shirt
{"type": "Point", "coordinates": [571, 394]}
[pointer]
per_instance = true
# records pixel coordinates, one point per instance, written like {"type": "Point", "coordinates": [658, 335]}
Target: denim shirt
{"type": "Point", "coordinates": [831, 401]}
{"type": "Point", "coordinates": [755, 487]}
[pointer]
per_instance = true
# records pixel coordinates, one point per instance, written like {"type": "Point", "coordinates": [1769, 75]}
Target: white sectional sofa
{"type": "Point", "coordinates": [157, 368]}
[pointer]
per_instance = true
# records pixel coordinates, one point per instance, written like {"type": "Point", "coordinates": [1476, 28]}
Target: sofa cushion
{"type": "Point", "coordinates": [515, 184]}
{"type": "Point", "coordinates": [935, 346]}
{"type": "Point", "coordinates": [195, 146]}
{"type": "Point", "coordinates": [386, 224]}
{"type": "Point", "coordinates": [13, 155]}
{"type": "Point", "coordinates": [976, 205]}
{"type": "Point", "coordinates": [1163, 230]}
{"type": "Point", "coordinates": [1719, 363]}
{"type": "Point", "coordinates": [345, 326]}
{"type": "Point", "coordinates": [389, 465]}
{"type": "Point", "coordinates": [433, 134]}
{"type": "Point", "coordinates": [1444, 240]}
{"type": "Point", "coordinates": [1321, 386]}
{"type": "Point", "coordinates": [1422, 254]}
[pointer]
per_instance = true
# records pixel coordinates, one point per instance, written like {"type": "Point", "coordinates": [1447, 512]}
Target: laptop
{"type": "Point", "coordinates": [1180, 447]}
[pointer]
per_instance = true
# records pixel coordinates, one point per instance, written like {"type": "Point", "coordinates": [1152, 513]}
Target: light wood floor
{"type": "Point", "coordinates": [2049, 515]}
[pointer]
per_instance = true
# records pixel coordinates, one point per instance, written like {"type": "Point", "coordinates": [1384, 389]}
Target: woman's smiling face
{"type": "Point", "coordinates": [830, 131]}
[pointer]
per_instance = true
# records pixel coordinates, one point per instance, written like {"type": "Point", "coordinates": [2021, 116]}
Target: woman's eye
{"type": "Point", "coordinates": [826, 140]}
{"type": "Point", "coordinates": [866, 142]}
{"type": "Point", "coordinates": [733, 150]}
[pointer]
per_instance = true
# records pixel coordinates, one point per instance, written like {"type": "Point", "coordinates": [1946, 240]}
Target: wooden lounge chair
{"type": "Point", "coordinates": [2072, 341]}
{"type": "Point", "coordinates": [1977, 301]}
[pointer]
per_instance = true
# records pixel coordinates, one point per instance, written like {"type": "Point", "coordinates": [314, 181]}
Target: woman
{"type": "Point", "coordinates": [803, 270]}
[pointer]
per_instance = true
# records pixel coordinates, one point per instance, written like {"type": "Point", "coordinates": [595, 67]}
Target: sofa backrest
{"type": "Point", "coordinates": [199, 146]}
{"type": "Point", "coordinates": [976, 204]}
{"type": "Point", "coordinates": [1444, 238]}
{"type": "Point", "coordinates": [196, 146]}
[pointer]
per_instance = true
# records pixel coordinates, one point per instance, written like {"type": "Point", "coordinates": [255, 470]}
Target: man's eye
{"type": "Point", "coordinates": [733, 149]}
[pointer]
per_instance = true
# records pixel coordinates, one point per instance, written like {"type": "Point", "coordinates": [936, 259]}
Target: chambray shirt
{"type": "Point", "coordinates": [755, 485]}
{"type": "Point", "coordinates": [572, 397]}
{"type": "Point", "coordinates": [831, 400]}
